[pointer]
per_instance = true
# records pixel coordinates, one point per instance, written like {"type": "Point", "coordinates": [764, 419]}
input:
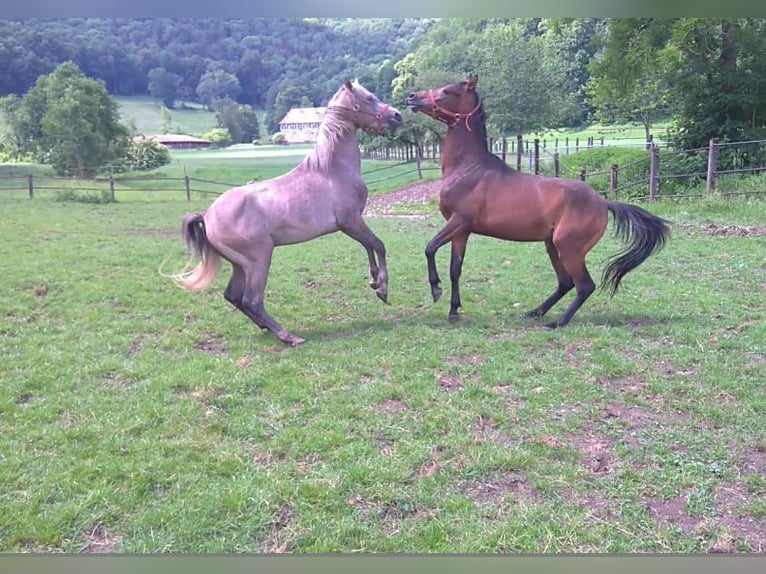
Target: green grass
{"type": "Point", "coordinates": [613, 134]}
{"type": "Point", "coordinates": [136, 417]}
{"type": "Point", "coordinates": [145, 113]}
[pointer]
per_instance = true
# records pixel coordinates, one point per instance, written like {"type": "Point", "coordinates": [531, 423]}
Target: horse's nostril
{"type": "Point", "coordinates": [397, 116]}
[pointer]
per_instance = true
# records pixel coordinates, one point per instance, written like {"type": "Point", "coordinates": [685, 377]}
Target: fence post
{"type": "Point", "coordinates": [654, 172]}
{"type": "Point", "coordinates": [31, 186]}
{"type": "Point", "coordinates": [613, 181]}
{"type": "Point", "coordinates": [505, 148]}
{"type": "Point", "coordinates": [417, 160]}
{"type": "Point", "coordinates": [712, 160]}
{"type": "Point", "coordinates": [188, 189]}
{"type": "Point", "coordinates": [566, 145]}
{"type": "Point", "coordinates": [649, 141]}
{"type": "Point", "coordinates": [111, 183]}
{"type": "Point", "coordinates": [537, 156]}
{"type": "Point", "coordinates": [555, 164]}
{"type": "Point", "coordinates": [582, 175]}
{"type": "Point", "coordinates": [577, 143]}
{"type": "Point", "coordinates": [519, 151]}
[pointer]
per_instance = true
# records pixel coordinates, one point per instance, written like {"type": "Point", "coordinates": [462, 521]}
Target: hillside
{"type": "Point", "coordinates": [146, 115]}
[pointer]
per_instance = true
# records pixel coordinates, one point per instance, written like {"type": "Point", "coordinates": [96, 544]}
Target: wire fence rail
{"type": "Point", "coordinates": [638, 179]}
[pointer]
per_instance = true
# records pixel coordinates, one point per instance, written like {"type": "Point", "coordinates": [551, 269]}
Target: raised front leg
{"type": "Point", "coordinates": [357, 229]}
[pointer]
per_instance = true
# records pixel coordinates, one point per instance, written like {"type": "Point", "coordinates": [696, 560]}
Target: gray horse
{"type": "Point", "coordinates": [323, 194]}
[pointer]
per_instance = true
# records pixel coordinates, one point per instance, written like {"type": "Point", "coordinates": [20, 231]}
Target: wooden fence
{"type": "Point", "coordinates": [644, 173]}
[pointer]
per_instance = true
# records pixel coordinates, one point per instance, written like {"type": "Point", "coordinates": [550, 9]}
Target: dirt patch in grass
{"type": "Point", "coordinates": [720, 230]}
{"type": "Point", "coordinates": [277, 542]}
{"type": "Point", "coordinates": [472, 359]}
{"type": "Point", "coordinates": [24, 398]}
{"type": "Point", "coordinates": [731, 503]}
{"type": "Point", "coordinates": [596, 452]}
{"type": "Point", "coordinates": [419, 193]}
{"type": "Point", "coordinates": [486, 430]}
{"type": "Point", "coordinates": [493, 489]}
{"type": "Point", "coordinates": [263, 457]}
{"type": "Point", "coordinates": [97, 540]}
{"type": "Point", "coordinates": [211, 346]}
{"type": "Point", "coordinates": [450, 384]}
{"type": "Point", "coordinates": [392, 406]}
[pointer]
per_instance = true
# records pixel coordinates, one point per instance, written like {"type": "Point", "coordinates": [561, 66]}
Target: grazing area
{"type": "Point", "coordinates": [138, 417]}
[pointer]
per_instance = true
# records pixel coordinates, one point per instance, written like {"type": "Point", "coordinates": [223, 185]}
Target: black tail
{"type": "Point", "coordinates": [194, 235]}
{"type": "Point", "coordinates": [644, 233]}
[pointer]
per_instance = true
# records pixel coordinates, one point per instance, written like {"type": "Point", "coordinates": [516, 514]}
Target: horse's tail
{"type": "Point", "coordinates": [644, 233]}
{"type": "Point", "coordinates": [195, 238]}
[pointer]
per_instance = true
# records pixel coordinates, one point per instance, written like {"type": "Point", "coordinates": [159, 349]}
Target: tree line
{"type": "Point", "coordinates": [706, 75]}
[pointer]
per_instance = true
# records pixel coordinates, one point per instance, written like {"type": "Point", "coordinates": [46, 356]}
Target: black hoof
{"type": "Point", "coordinates": [453, 317]}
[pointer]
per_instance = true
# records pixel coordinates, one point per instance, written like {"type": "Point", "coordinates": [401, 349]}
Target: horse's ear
{"type": "Point", "coordinates": [348, 85]}
{"type": "Point", "coordinates": [472, 79]}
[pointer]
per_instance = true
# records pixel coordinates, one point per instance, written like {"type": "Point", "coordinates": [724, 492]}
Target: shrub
{"type": "Point", "coordinates": [218, 137]}
{"type": "Point", "coordinates": [279, 139]}
{"type": "Point", "coordinates": [146, 154]}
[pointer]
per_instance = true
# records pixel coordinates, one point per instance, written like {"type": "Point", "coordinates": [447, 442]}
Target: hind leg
{"type": "Point", "coordinates": [565, 282]}
{"type": "Point", "coordinates": [573, 262]}
{"type": "Point", "coordinates": [246, 292]}
{"type": "Point", "coordinates": [357, 229]}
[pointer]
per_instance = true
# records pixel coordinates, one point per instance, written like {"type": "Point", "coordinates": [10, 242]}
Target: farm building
{"type": "Point", "coordinates": [300, 125]}
{"type": "Point", "coordinates": [177, 141]}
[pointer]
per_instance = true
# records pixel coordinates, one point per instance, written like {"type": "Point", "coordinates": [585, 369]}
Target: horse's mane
{"type": "Point", "coordinates": [335, 126]}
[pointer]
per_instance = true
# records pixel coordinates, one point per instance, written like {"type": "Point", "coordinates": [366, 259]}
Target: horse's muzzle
{"type": "Point", "coordinates": [414, 103]}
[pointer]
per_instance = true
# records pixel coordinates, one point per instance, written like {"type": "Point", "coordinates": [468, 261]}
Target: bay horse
{"type": "Point", "coordinates": [323, 194]}
{"type": "Point", "coordinates": [481, 194]}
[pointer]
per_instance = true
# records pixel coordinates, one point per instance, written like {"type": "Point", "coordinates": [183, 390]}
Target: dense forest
{"type": "Point", "coordinates": [293, 60]}
{"type": "Point", "coordinates": [706, 75]}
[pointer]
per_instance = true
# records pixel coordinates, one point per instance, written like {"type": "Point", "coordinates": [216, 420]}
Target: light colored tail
{"type": "Point", "coordinates": [195, 238]}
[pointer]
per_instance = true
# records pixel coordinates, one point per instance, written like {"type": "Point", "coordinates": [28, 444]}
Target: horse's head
{"type": "Point", "coordinates": [450, 103]}
{"type": "Point", "coordinates": [365, 110]}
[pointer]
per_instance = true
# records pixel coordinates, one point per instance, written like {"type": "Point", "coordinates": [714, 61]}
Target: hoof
{"type": "Point", "coordinates": [291, 340]}
{"type": "Point", "coordinates": [550, 326]}
{"type": "Point", "coordinates": [382, 295]}
{"type": "Point", "coordinates": [533, 314]}
{"type": "Point", "coordinates": [436, 292]}
{"type": "Point", "coordinates": [453, 317]}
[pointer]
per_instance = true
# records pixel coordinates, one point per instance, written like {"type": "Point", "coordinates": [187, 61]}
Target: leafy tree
{"type": "Point", "coordinates": [720, 82]}
{"type": "Point", "coordinates": [72, 122]}
{"type": "Point", "coordinates": [417, 129]}
{"type": "Point", "coordinates": [217, 85]}
{"type": "Point", "coordinates": [240, 120]}
{"type": "Point", "coordinates": [629, 81]}
{"type": "Point", "coordinates": [164, 85]}
{"type": "Point", "coordinates": [290, 95]}
{"type": "Point", "coordinates": [519, 79]}
{"type": "Point", "coordinates": [10, 114]}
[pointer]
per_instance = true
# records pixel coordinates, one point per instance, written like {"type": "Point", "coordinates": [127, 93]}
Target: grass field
{"type": "Point", "coordinates": [136, 417]}
{"type": "Point", "coordinates": [145, 114]}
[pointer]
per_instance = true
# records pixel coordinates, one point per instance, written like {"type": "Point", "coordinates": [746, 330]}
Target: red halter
{"type": "Point", "coordinates": [454, 115]}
